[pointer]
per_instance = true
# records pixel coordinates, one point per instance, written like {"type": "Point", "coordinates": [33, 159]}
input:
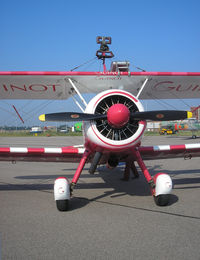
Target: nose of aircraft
{"type": "Point", "coordinates": [118, 115]}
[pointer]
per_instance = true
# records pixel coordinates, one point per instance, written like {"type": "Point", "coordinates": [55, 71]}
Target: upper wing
{"type": "Point", "coordinates": [55, 85]}
{"type": "Point", "coordinates": [186, 151]}
{"type": "Point", "coordinates": [166, 85]}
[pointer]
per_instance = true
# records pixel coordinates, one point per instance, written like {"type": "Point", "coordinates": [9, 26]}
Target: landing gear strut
{"type": "Point", "coordinates": [130, 166]}
{"type": "Point", "coordinates": [96, 160]}
{"type": "Point", "coordinates": [160, 184]}
{"type": "Point", "coordinates": [62, 187]}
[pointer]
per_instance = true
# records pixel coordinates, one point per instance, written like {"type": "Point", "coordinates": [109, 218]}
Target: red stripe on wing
{"type": "Point", "coordinates": [175, 151]}
{"type": "Point", "coordinates": [61, 154]}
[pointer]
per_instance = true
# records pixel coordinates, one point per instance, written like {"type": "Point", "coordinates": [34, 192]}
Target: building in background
{"type": "Point", "coordinates": [153, 126]}
{"type": "Point", "coordinates": [195, 112]}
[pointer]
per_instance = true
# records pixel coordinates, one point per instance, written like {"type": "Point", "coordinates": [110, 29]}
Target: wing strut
{"type": "Point", "coordinates": [141, 89]}
{"type": "Point", "coordinates": [77, 103]}
{"type": "Point", "coordinates": [77, 92]}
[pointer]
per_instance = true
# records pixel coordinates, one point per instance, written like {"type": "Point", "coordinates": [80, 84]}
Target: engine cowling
{"type": "Point", "coordinates": [119, 131]}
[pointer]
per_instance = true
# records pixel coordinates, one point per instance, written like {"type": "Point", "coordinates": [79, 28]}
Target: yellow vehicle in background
{"type": "Point", "coordinates": [167, 131]}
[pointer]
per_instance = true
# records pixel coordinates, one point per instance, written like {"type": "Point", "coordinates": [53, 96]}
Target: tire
{"type": "Point", "coordinates": [194, 137]}
{"type": "Point", "coordinates": [62, 205]}
{"type": "Point", "coordinates": [162, 200]}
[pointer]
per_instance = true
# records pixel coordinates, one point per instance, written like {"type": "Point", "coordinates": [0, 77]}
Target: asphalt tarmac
{"type": "Point", "coordinates": [108, 218]}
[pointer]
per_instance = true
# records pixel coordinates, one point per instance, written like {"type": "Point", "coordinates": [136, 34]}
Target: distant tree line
{"type": "Point", "coordinates": [12, 128]}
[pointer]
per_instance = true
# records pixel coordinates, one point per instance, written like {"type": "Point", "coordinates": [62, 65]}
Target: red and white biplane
{"type": "Point", "coordinates": [114, 120]}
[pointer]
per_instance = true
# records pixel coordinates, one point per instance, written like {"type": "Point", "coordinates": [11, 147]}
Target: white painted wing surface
{"type": "Point", "coordinates": [171, 86]}
{"type": "Point", "coordinates": [55, 85]}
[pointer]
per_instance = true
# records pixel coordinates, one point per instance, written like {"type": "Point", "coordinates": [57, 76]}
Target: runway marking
{"type": "Point", "coordinates": [143, 209]}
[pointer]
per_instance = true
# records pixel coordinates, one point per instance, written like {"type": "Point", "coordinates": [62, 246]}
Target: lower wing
{"type": "Point", "coordinates": [186, 151]}
{"type": "Point", "coordinates": [74, 153]}
{"type": "Point", "coordinates": [60, 154]}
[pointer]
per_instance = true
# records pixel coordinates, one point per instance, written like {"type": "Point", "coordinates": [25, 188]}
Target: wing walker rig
{"type": "Point", "coordinates": [104, 53]}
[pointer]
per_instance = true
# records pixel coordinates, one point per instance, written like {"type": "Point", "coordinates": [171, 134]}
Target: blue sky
{"type": "Point", "coordinates": [59, 35]}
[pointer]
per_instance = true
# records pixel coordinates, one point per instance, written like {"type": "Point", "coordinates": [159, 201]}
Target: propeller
{"type": "Point", "coordinates": [118, 115]}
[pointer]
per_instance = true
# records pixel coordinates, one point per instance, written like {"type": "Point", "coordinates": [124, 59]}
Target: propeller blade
{"type": "Point", "coordinates": [162, 115]}
{"type": "Point", "coordinates": [69, 116]}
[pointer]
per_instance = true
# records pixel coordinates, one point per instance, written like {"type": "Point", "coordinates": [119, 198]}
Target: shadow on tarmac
{"type": "Point", "coordinates": [111, 178]}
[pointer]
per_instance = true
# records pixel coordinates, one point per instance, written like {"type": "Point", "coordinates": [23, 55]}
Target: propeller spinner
{"type": "Point", "coordinates": [118, 115]}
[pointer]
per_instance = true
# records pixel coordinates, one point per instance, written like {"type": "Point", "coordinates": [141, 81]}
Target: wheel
{"type": "Point", "coordinates": [62, 205]}
{"type": "Point", "coordinates": [194, 137]}
{"type": "Point", "coordinates": [162, 200]}
{"type": "Point", "coordinates": [62, 193]}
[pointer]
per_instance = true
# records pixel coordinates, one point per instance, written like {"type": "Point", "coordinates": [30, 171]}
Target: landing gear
{"type": "Point", "coordinates": [63, 188]}
{"type": "Point", "coordinates": [160, 184]}
{"type": "Point", "coordinates": [130, 166]}
{"type": "Point", "coordinates": [163, 188]}
{"type": "Point", "coordinates": [62, 205]}
{"type": "Point", "coordinates": [162, 200]}
{"type": "Point", "coordinates": [96, 160]}
{"type": "Point", "coordinates": [62, 193]}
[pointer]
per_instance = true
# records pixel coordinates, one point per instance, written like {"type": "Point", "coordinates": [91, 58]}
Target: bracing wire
{"type": "Point", "coordinates": [35, 111]}
{"type": "Point", "coordinates": [30, 114]}
{"type": "Point", "coordinates": [83, 64]}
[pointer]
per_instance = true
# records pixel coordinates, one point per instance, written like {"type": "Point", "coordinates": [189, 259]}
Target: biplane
{"type": "Point", "coordinates": [114, 120]}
